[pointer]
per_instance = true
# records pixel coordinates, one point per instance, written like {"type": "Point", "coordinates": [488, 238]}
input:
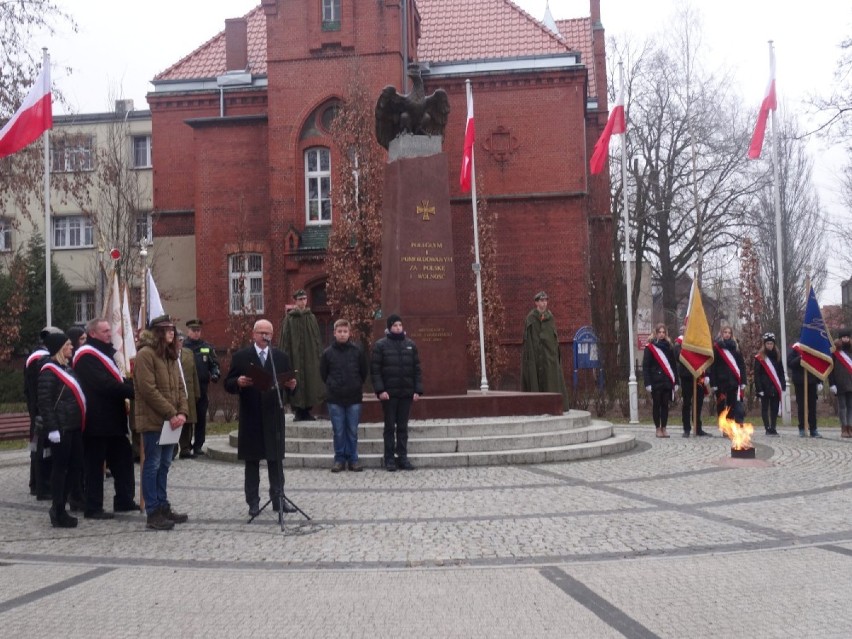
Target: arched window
{"type": "Point", "coordinates": [318, 185]}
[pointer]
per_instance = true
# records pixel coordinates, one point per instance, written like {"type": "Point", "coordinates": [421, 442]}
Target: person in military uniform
{"type": "Point", "coordinates": [207, 367]}
{"type": "Point", "coordinates": [541, 361]}
{"type": "Point", "coordinates": [300, 339]}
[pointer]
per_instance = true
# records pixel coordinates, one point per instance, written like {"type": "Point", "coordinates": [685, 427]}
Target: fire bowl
{"type": "Point", "coordinates": [742, 453]}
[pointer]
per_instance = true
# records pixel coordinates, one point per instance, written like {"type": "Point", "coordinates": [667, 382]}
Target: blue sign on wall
{"type": "Point", "coordinates": [587, 353]}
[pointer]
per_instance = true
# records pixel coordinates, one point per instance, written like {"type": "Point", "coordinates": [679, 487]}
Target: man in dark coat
{"type": "Point", "coordinates": [814, 388]}
{"type": "Point", "coordinates": [105, 437]}
{"type": "Point", "coordinates": [397, 381]}
{"type": "Point", "coordinates": [541, 361]}
{"type": "Point", "coordinates": [301, 340]}
{"type": "Point", "coordinates": [207, 367]}
{"type": "Point", "coordinates": [261, 426]}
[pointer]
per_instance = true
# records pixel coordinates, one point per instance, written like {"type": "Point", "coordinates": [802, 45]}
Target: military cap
{"type": "Point", "coordinates": [194, 323]}
{"type": "Point", "coordinates": [299, 293]}
{"type": "Point", "coordinates": [541, 295]}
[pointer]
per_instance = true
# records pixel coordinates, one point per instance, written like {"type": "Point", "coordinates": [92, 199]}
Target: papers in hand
{"type": "Point", "coordinates": [262, 379]}
{"type": "Point", "coordinates": [169, 435]}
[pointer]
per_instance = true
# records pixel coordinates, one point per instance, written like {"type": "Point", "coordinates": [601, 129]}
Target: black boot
{"type": "Point", "coordinates": [61, 519]}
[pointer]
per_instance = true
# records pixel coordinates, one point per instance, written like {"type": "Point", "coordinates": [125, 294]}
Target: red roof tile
{"type": "Point", "coordinates": [208, 60]}
{"type": "Point", "coordinates": [453, 31]}
{"type": "Point", "coordinates": [578, 33]}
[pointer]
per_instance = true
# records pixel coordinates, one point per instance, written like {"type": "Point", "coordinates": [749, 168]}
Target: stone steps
{"type": "Point", "coordinates": [460, 442]}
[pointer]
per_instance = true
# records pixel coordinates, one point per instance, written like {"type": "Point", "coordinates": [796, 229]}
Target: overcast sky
{"type": "Point", "coordinates": [122, 45]}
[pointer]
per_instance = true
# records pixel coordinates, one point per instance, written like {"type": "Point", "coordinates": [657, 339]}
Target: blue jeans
{"type": "Point", "coordinates": [344, 424]}
{"type": "Point", "coordinates": [155, 471]}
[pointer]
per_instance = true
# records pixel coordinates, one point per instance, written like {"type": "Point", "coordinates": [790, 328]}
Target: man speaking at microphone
{"type": "Point", "coordinates": [261, 416]}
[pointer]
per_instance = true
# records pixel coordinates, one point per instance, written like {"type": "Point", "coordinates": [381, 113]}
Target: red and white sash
{"type": "Point", "coordinates": [844, 359]}
{"type": "Point", "coordinates": [663, 361]}
{"type": "Point", "coordinates": [72, 384]}
{"type": "Point", "coordinates": [110, 365]}
{"type": "Point", "coordinates": [36, 355]}
{"type": "Point", "coordinates": [771, 372]}
{"type": "Point", "coordinates": [731, 361]}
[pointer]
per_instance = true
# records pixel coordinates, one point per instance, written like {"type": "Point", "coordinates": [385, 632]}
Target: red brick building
{"type": "Point", "coordinates": [242, 155]}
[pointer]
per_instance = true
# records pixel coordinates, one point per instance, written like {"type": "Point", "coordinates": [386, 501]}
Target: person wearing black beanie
{"type": "Point", "coordinates": [398, 381]}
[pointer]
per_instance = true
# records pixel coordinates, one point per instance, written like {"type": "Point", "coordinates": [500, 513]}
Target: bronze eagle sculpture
{"type": "Point", "coordinates": [414, 113]}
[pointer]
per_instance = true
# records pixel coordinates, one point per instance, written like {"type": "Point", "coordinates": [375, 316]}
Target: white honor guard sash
{"type": "Point", "coordinates": [72, 384]}
{"type": "Point", "coordinates": [728, 356]}
{"type": "Point", "coordinates": [110, 365]}
{"type": "Point", "coordinates": [36, 355]}
{"type": "Point", "coordinates": [770, 370]}
{"type": "Point", "coordinates": [844, 359]}
{"type": "Point", "coordinates": [663, 361]}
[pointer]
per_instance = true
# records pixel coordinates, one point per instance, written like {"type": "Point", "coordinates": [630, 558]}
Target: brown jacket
{"type": "Point", "coordinates": [159, 388]}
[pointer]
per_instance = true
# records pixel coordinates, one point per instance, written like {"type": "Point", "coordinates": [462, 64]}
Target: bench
{"type": "Point", "coordinates": [14, 426]}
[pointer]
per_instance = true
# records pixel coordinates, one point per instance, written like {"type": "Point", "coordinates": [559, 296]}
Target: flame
{"type": "Point", "coordinates": [739, 434]}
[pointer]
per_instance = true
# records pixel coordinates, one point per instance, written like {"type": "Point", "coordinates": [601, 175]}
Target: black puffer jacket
{"type": "Point", "coordinates": [654, 375]}
{"type": "Point", "coordinates": [395, 366]}
{"type": "Point", "coordinates": [763, 382]}
{"type": "Point", "coordinates": [721, 375]}
{"type": "Point", "coordinates": [343, 368]}
{"type": "Point", "coordinates": [57, 404]}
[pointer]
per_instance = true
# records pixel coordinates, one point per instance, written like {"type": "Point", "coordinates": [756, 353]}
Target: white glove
{"type": "Point", "coordinates": [833, 389]}
{"type": "Point", "coordinates": [742, 387]}
{"type": "Point", "coordinates": [53, 436]}
{"type": "Point", "coordinates": [715, 388]}
{"type": "Point", "coordinates": [819, 388]}
{"type": "Point", "coordinates": [760, 394]}
{"type": "Point", "coordinates": [707, 381]}
{"type": "Point", "coordinates": [676, 388]}
{"type": "Point", "coordinates": [648, 388]}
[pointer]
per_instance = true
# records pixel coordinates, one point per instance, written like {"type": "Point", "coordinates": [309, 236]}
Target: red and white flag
{"type": "Point", "coordinates": [769, 104]}
{"type": "Point", "coordinates": [469, 139]}
{"type": "Point", "coordinates": [32, 119]}
{"type": "Point", "coordinates": [615, 125]}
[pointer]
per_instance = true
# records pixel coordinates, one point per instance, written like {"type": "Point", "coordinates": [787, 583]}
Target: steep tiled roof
{"type": "Point", "coordinates": [453, 31]}
{"type": "Point", "coordinates": [578, 33]}
{"type": "Point", "coordinates": [208, 60]}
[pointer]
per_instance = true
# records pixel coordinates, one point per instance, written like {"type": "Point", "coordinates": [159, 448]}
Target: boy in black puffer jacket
{"type": "Point", "coordinates": [398, 381]}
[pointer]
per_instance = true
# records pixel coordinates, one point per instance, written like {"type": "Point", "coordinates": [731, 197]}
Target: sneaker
{"type": "Point", "coordinates": [801, 432]}
{"type": "Point", "coordinates": [172, 516]}
{"type": "Point", "coordinates": [815, 434]}
{"type": "Point", "coordinates": [99, 514]}
{"type": "Point", "coordinates": [338, 466]}
{"type": "Point", "coordinates": [156, 521]}
{"type": "Point", "coordinates": [405, 464]}
{"type": "Point", "coordinates": [355, 467]}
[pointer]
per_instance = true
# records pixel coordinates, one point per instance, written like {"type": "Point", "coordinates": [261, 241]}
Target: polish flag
{"type": "Point", "coordinates": [32, 119]}
{"type": "Point", "coordinates": [615, 125]}
{"type": "Point", "coordinates": [469, 139]}
{"type": "Point", "coordinates": [769, 104]}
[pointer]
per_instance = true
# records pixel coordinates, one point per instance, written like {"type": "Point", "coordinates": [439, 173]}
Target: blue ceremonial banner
{"type": "Point", "coordinates": [815, 344]}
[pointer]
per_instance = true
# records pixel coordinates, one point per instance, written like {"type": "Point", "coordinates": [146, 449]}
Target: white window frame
{"type": "Point", "coordinates": [331, 10]}
{"type": "Point", "coordinates": [144, 150]}
{"type": "Point", "coordinates": [5, 236]}
{"type": "Point", "coordinates": [84, 306]}
{"type": "Point", "coordinates": [71, 154]}
{"type": "Point", "coordinates": [245, 283]}
{"type": "Point", "coordinates": [72, 232]}
{"type": "Point", "coordinates": [144, 228]}
{"type": "Point", "coordinates": [316, 178]}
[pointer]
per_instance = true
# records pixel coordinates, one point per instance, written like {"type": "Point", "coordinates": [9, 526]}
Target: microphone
{"type": "Point", "coordinates": [265, 338]}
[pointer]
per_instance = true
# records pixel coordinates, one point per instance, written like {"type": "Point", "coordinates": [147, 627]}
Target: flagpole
{"type": "Point", "coordinates": [47, 234]}
{"type": "Point", "coordinates": [631, 383]}
{"type": "Point", "coordinates": [477, 267]}
{"type": "Point", "coordinates": [776, 199]}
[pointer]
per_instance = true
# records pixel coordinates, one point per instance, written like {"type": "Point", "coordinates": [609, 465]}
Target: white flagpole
{"type": "Point", "coordinates": [779, 252]}
{"type": "Point", "coordinates": [477, 267]}
{"type": "Point", "coordinates": [633, 391]}
{"type": "Point", "coordinates": [47, 232]}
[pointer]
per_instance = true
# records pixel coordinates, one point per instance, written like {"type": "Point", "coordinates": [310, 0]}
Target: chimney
{"type": "Point", "coordinates": [236, 44]}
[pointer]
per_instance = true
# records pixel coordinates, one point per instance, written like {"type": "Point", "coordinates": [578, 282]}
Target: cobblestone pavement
{"type": "Point", "coordinates": [673, 539]}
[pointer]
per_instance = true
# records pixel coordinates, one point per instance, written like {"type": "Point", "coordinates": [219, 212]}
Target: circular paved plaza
{"type": "Point", "coordinates": [673, 539]}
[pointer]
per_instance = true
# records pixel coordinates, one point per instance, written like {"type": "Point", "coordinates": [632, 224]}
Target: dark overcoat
{"type": "Point", "coordinates": [261, 417]}
{"type": "Point", "coordinates": [105, 388]}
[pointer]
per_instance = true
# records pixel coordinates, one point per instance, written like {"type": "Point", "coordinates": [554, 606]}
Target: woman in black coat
{"type": "Point", "coordinates": [658, 369]}
{"type": "Point", "coordinates": [728, 375]}
{"type": "Point", "coordinates": [769, 382]}
{"type": "Point", "coordinates": [62, 409]}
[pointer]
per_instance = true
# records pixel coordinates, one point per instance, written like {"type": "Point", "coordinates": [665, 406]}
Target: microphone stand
{"type": "Point", "coordinates": [284, 503]}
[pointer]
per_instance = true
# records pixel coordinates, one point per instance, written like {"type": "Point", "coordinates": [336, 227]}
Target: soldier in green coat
{"type": "Point", "coordinates": [301, 340]}
{"type": "Point", "coordinates": [541, 362]}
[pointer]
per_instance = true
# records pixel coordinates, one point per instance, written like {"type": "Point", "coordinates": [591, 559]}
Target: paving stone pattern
{"type": "Point", "coordinates": [669, 540]}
